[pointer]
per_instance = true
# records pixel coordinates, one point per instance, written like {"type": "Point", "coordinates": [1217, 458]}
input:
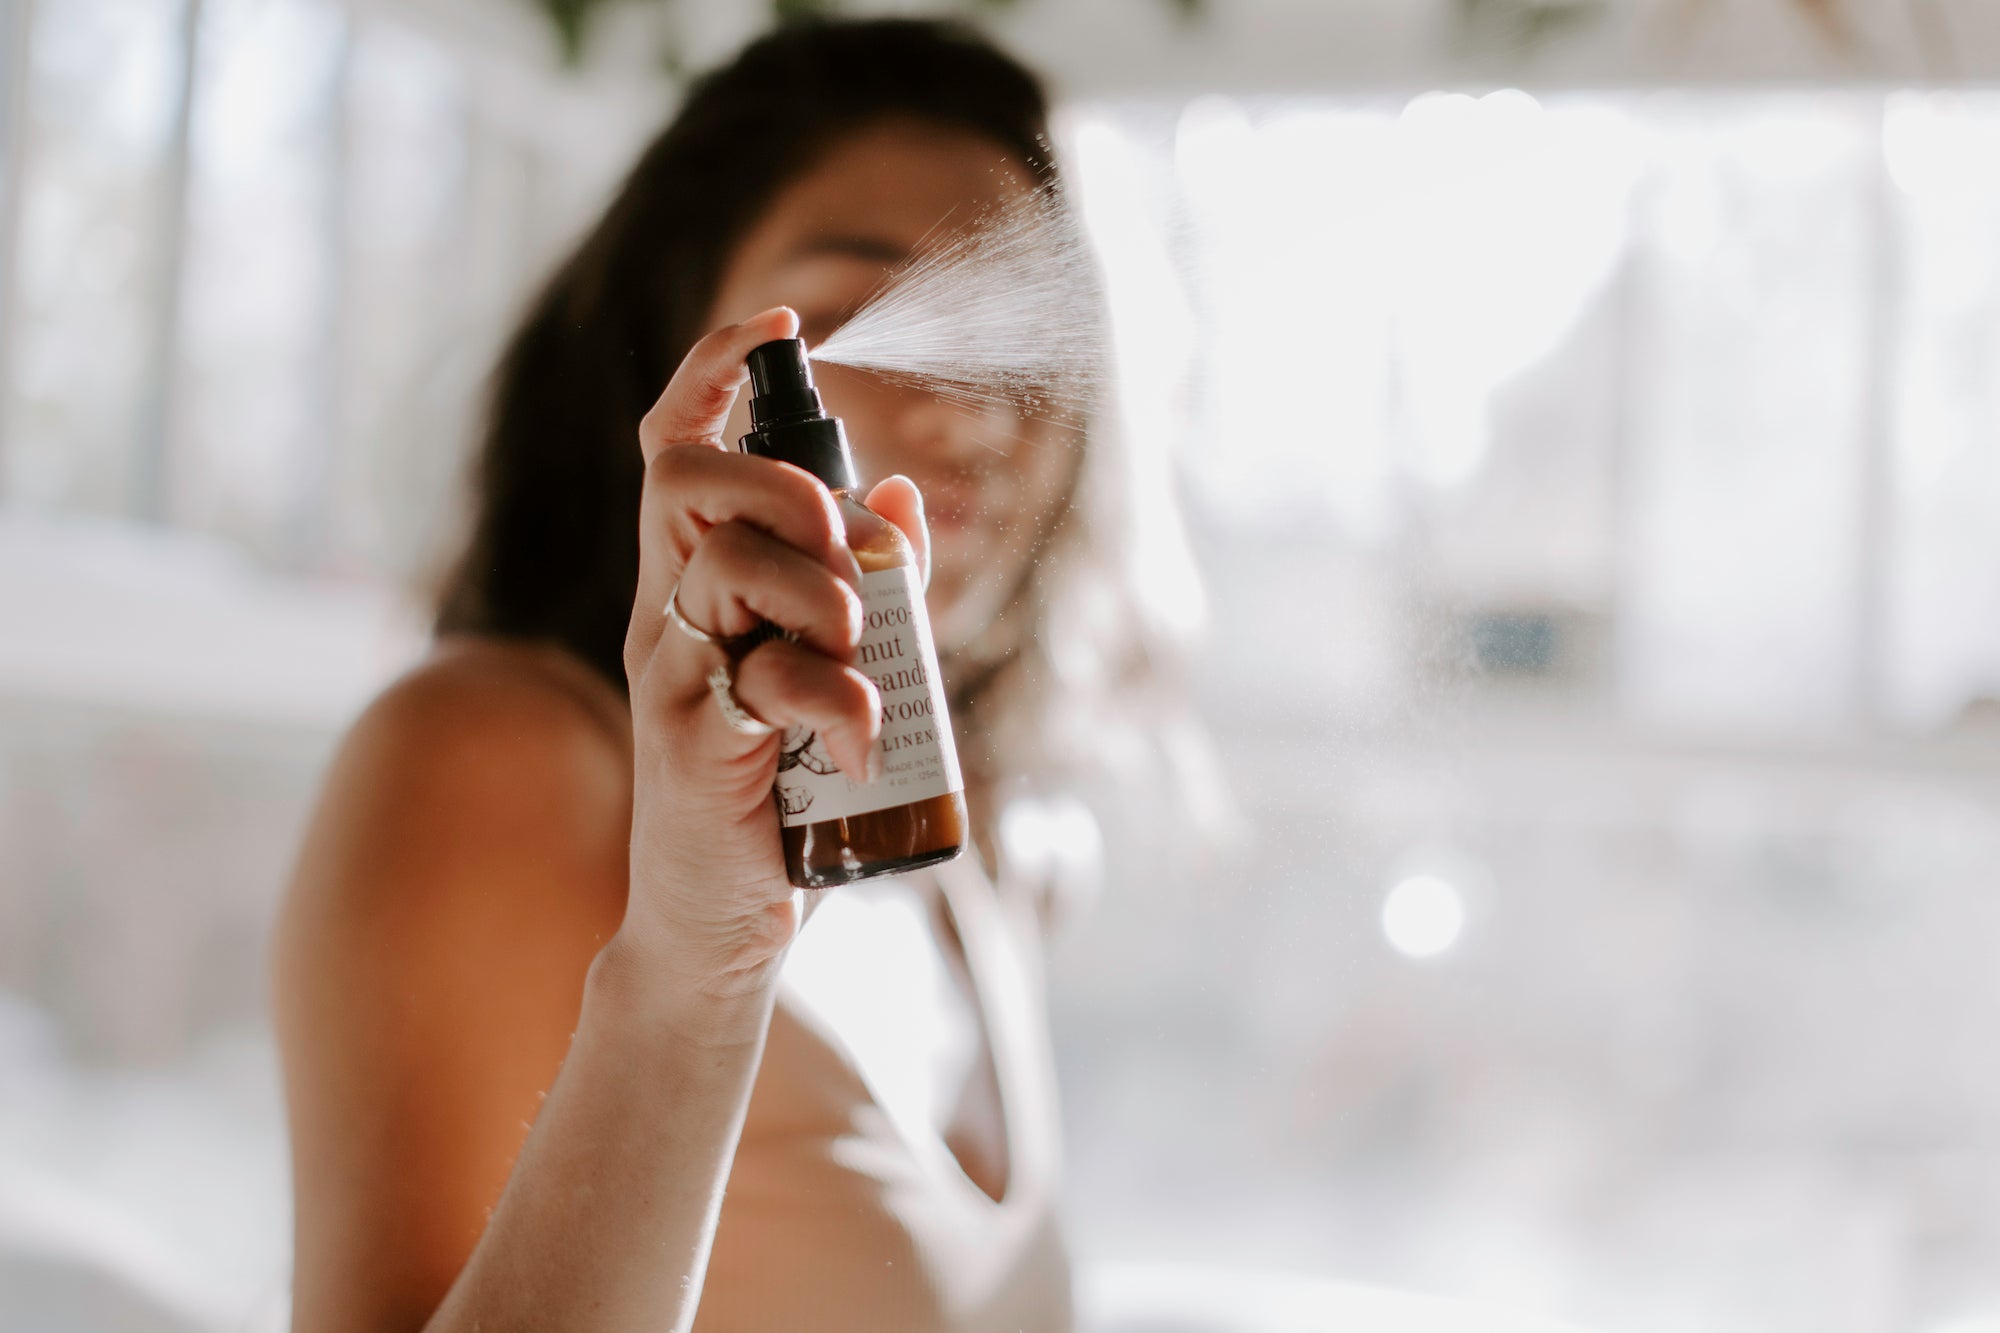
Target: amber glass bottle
{"type": "Point", "coordinates": [837, 830]}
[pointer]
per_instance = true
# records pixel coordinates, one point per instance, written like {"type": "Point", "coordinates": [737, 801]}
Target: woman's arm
{"type": "Point", "coordinates": [609, 1222]}
{"type": "Point", "coordinates": [443, 938]}
{"type": "Point", "coordinates": [465, 867]}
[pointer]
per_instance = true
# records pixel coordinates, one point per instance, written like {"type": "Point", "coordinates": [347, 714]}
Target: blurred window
{"type": "Point", "coordinates": [263, 252]}
{"type": "Point", "coordinates": [1686, 403]}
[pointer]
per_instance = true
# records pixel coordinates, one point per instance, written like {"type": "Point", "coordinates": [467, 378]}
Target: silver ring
{"type": "Point", "coordinates": [723, 686]}
{"type": "Point", "coordinates": [683, 624]}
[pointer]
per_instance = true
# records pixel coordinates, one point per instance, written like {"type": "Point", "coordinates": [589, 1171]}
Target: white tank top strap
{"type": "Point", "coordinates": [866, 975]}
{"type": "Point", "coordinates": [880, 1226]}
{"type": "Point", "coordinates": [1003, 955]}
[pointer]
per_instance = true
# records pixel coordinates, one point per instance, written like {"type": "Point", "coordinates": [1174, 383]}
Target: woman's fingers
{"type": "Point", "coordinates": [897, 499]}
{"type": "Point", "coordinates": [689, 487]}
{"type": "Point", "coordinates": [692, 490]}
{"type": "Point", "coordinates": [694, 406]}
{"type": "Point", "coordinates": [741, 577]}
{"type": "Point", "coordinates": [788, 684]}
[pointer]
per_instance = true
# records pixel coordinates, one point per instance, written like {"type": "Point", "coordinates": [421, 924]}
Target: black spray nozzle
{"type": "Point", "coordinates": [787, 421]}
{"type": "Point", "coordinates": [781, 384]}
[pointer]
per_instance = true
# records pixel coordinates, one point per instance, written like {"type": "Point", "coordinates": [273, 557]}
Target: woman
{"type": "Point", "coordinates": [529, 980]}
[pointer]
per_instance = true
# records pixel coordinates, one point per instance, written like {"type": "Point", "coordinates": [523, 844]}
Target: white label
{"type": "Point", "coordinates": [918, 758]}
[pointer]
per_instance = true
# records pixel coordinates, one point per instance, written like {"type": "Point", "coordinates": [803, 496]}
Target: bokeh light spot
{"type": "Point", "coordinates": [1423, 916]}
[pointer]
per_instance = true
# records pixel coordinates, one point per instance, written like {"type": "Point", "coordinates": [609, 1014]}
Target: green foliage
{"type": "Point", "coordinates": [1519, 26]}
{"type": "Point", "coordinates": [795, 11]}
{"type": "Point", "coordinates": [571, 19]}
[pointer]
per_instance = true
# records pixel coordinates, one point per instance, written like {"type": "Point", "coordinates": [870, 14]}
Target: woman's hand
{"type": "Point", "coordinates": [738, 541]}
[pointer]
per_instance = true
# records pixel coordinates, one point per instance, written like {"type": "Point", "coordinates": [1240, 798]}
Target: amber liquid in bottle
{"type": "Point", "coordinates": [881, 842]}
{"type": "Point", "coordinates": [854, 841]}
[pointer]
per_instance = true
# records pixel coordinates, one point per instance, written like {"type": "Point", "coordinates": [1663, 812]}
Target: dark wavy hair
{"type": "Point", "coordinates": [554, 548]}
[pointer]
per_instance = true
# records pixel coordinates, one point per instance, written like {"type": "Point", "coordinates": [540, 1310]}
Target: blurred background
{"type": "Point", "coordinates": [1597, 919]}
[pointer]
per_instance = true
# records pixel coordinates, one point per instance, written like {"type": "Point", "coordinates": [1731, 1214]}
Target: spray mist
{"type": "Point", "coordinates": [836, 830]}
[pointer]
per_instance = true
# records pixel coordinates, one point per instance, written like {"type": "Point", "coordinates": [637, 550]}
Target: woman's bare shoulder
{"type": "Point", "coordinates": [464, 865]}
{"type": "Point", "coordinates": [487, 764]}
{"type": "Point", "coordinates": [477, 695]}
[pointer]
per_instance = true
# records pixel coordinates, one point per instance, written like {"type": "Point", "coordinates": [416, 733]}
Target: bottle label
{"type": "Point", "coordinates": [918, 758]}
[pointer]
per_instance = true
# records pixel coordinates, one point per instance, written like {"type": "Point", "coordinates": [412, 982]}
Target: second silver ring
{"type": "Point", "coordinates": [722, 684]}
{"type": "Point", "coordinates": [721, 678]}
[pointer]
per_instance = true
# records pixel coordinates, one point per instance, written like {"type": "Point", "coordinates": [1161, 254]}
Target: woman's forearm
{"type": "Point", "coordinates": [607, 1218]}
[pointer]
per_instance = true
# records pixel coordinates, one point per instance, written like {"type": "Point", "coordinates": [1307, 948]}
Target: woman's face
{"type": "Point", "coordinates": [993, 480]}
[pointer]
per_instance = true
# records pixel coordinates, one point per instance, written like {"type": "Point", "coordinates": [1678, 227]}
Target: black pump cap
{"type": "Point", "coordinates": [781, 383]}
{"type": "Point", "coordinates": [788, 422]}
